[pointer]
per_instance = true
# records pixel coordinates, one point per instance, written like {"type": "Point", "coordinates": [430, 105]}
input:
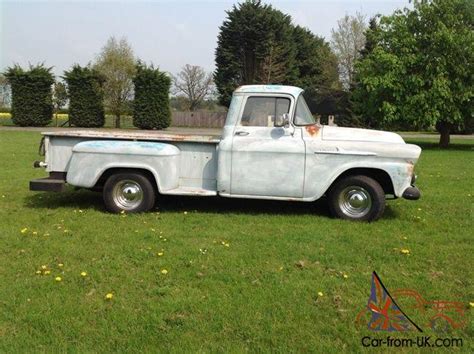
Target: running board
{"type": "Point", "coordinates": [198, 192]}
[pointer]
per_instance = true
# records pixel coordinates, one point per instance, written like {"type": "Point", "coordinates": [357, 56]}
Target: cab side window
{"type": "Point", "coordinates": [261, 111]}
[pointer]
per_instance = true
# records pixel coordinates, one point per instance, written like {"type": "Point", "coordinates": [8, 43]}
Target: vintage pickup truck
{"type": "Point", "coordinates": [270, 148]}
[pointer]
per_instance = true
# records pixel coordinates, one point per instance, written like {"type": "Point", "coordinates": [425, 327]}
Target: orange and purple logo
{"type": "Point", "coordinates": [384, 312]}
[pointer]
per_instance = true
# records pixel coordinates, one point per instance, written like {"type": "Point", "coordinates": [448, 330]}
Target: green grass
{"type": "Point", "coordinates": [248, 296]}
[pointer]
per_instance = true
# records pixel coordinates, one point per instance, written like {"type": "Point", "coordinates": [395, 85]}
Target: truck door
{"type": "Point", "coordinates": [267, 160]}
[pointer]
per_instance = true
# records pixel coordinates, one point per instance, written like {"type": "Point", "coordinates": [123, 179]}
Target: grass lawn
{"type": "Point", "coordinates": [241, 275]}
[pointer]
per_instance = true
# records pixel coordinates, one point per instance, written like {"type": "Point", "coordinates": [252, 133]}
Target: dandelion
{"type": "Point", "coordinates": [83, 274]}
{"type": "Point", "coordinates": [160, 254]}
{"type": "Point", "coordinates": [47, 272]}
{"type": "Point", "coordinates": [280, 269]}
{"type": "Point", "coordinates": [66, 231]}
{"type": "Point", "coordinates": [81, 211]}
{"type": "Point", "coordinates": [471, 304]}
{"type": "Point", "coordinates": [185, 213]}
{"type": "Point", "coordinates": [153, 230]}
{"type": "Point", "coordinates": [320, 294]}
{"type": "Point", "coordinates": [60, 265]}
{"type": "Point", "coordinates": [35, 233]}
{"type": "Point", "coordinates": [419, 209]}
{"type": "Point", "coordinates": [46, 234]}
{"type": "Point", "coordinates": [345, 276]}
{"type": "Point", "coordinates": [24, 230]}
{"type": "Point", "coordinates": [164, 271]}
{"type": "Point", "coordinates": [109, 296]}
{"type": "Point", "coordinates": [38, 272]}
{"type": "Point", "coordinates": [58, 279]}
{"type": "Point", "coordinates": [44, 267]}
{"type": "Point", "coordinates": [405, 251]}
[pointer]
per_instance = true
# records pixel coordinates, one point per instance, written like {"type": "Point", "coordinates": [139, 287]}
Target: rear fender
{"type": "Point", "coordinates": [90, 159]}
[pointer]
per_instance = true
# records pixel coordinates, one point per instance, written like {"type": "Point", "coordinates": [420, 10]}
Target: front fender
{"type": "Point", "coordinates": [90, 159]}
{"type": "Point", "coordinates": [319, 180]}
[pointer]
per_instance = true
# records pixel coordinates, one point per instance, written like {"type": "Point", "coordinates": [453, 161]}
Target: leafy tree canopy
{"type": "Point", "coordinates": [258, 44]}
{"type": "Point", "coordinates": [421, 68]}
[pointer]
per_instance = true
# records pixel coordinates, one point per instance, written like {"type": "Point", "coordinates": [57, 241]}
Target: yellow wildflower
{"type": "Point", "coordinates": [84, 274]}
{"type": "Point", "coordinates": [44, 267]}
{"type": "Point", "coordinates": [58, 278]}
{"type": "Point", "coordinates": [109, 296]}
{"type": "Point", "coordinates": [24, 230]}
{"type": "Point", "coordinates": [160, 254]}
{"type": "Point", "coordinates": [47, 272]}
{"type": "Point", "coordinates": [60, 265]}
{"type": "Point", "coordinates": [38, 272]}
{"type": "Point", "coordinates": [320, 294]}
{"type": "Point", "coordinates": [405, 251]}
{"type": "Point", "coordinates": [164, 271]}
{"type": "Point", "coordinates": [471, 304]}
{"type": "Point", "coordinates": [345, 276]}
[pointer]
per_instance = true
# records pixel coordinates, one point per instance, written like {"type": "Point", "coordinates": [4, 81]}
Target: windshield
{"type": "Point", "coordinates": [303, 115]}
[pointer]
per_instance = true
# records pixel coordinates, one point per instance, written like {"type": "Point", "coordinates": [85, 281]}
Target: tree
{"type": "Point", "coordinates": [86, 108]}
{"type": "Point", "coordinates": [194, 83]}
{"type": "Point", "coordinates": [5, 92]}
{"type": "Point", "coordinates": [254, 47]}
{"type": "Point", "coordinates": [316, 64]}
{"type": "Point", "coordinates": [116, 63]}
{"type": "Point", "coordinates": [31, 95]}
{"type": "Point", "coordinates": [59, 98]}
{"type": "Point", "coordinates": [364, 117]}
{"type": "Point", "coordinates": [151, 107]}
{"type": "Point", "coordinates": [347, 42]}
{"type": "Point", "coordinates": [421, 68]}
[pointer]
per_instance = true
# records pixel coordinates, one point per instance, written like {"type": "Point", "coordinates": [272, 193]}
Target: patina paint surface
{"type": "Point", "coordinates": [264, 162]}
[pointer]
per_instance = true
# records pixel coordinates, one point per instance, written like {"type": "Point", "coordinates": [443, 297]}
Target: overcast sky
{"type": "Point", "coordinates": [167, 33]}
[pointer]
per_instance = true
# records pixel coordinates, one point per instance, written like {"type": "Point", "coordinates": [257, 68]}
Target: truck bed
{"type": "Point", "coordinates": [149, 135]}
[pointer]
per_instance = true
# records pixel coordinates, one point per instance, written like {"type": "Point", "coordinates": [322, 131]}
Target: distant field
{"type": "Point", "coordinates": [240, 275]}
{"type": "Point", "coordinates": [126, 122]}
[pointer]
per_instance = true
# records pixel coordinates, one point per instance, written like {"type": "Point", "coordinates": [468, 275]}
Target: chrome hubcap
{"type": "Point", "coordinates": [355, 201]}
{"type": "Point", "coordinates": [128, 194]}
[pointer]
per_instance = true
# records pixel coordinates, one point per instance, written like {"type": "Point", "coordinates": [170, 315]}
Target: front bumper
{"type": "Point", "coordinates": [411, 193]}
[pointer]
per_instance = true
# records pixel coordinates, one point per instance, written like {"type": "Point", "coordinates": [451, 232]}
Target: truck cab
{"type": "Point", "coordinates": [270, 148]}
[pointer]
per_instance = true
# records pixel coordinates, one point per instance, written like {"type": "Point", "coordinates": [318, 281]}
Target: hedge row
{"type": "Point", "coordinates": [151, 107]}
{"type": "Point", "coordinates": [31, 95]}
{"type": "Point", "coordinates": [86, 98]}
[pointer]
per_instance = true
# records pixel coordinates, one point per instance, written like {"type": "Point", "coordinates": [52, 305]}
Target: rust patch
{"type": "Point", "coordinates": [313, 130]}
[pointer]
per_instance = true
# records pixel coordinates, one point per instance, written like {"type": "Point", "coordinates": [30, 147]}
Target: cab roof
{"type": "Point", "coordinates": [292, 90]}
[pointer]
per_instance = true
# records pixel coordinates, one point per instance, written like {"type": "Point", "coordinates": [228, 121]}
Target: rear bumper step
{"type": "Point", "coordinates": [54, 183]}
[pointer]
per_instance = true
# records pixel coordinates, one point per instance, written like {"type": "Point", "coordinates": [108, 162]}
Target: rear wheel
{"type": "Point", "coordinates": [131, 192]}
{"type": "Point", "coordinates": [358, 198]}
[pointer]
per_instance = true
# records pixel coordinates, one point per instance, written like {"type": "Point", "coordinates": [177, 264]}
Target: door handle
{"type": "Point", "coordinates": [241, 133]}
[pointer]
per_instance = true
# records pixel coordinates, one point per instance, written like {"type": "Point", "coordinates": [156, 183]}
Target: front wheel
{"type": "Point", "coordinates": [359, 198]}
{"type": "Point", "coordinates": [130, 192]}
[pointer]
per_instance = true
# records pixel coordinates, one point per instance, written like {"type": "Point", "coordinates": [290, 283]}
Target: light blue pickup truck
{"type": "Point", "coordinates": [270, 148]}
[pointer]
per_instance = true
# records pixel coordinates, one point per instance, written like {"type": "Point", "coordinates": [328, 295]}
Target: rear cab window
{"type": "Point", "coordinates": [261, 111]}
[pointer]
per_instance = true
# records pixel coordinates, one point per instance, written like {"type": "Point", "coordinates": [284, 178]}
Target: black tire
{"type": "Point", "coordinates": [358, 198]}
{"type": "Point", "coordinates": [131, 192]}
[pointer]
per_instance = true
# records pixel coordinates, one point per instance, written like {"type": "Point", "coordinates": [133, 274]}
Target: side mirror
{"type": "Point", "coordinates": [282, 121]}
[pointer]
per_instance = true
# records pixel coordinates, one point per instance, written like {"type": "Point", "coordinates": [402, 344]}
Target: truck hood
{"type": "Point", "coordinates": [332, 133]}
